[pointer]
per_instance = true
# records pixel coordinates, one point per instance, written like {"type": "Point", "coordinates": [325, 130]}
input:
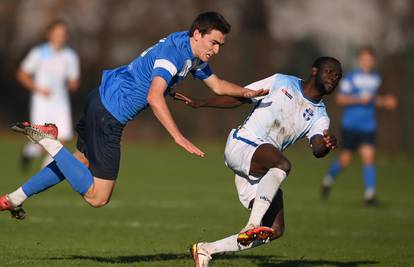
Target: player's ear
{"type": "Point", "coordinates": [197, 35]}
{"type": "Point", "coordinates": [314, 71]}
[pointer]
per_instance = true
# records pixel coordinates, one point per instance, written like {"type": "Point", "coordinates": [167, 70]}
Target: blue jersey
{"type": "Point", "coordinates": [124, 90]}
{"type": "Point", "coordinates": [360, 117]}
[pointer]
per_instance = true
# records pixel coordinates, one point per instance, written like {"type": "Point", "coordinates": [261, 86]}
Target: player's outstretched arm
{"type": "Point", "coordinates": [346, 100]}
{"type": "Point", "coordinates": [388, 101]}
{"type": "Point", "coordinates": [222, 87]}
{"type": "Point", "coordinates": [213, 102]}
{"type": "Point", "coordinates": [322, 144]}
{"type": "Point", "coordinates": [160, 109]}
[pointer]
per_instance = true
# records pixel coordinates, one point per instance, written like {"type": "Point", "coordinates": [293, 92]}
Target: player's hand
{"type": "Point", "coordinates": [365, 100]}
{"type": "Point", "coordinates": [187, 145]}
{"type": "Point", "coordinates": [390, 102]}
{"type": "Point", "coordinates": [188, 101]}
{"type": "Point", "coordinates": [43, 91]}
{"type": "Point", "coordinates": [329, 139]}
{"type": "Point", "coordinates": [254, 93]}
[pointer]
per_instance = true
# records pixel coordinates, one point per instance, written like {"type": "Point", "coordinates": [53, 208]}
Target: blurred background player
{"type": "Point", "coordinates": [358, 94]}
{"type": "Point", "coordinates": [292, 110]}
{"type": "Point", "coordinates": [49, 72]}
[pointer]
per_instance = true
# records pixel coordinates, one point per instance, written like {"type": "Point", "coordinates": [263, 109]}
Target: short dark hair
{"type": "Point", "coordinates": [208, 21]}
{"type": "Point", "coordinates": [366, 49]}
{"type": "Point", "coordinates": [55, 23]}
{"type": "Point", "coordinates": [320, 61]}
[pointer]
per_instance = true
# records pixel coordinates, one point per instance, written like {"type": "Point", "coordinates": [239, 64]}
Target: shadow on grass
{"type": "Point", "coordinates": [260, 260]}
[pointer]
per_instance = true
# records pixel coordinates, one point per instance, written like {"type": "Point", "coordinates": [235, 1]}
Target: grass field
{"type": "Point", "coordinates": [165, 200]}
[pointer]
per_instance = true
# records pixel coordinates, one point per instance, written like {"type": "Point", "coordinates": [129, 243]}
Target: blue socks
{"type": "Point", "coordinates": [335, 169]}
{"type": "Point", "coordinates": [78, 176]}
{"type": "Point", "coordinates": [369, 173]}
{"type": "Point", "coordinates": [45, 178]}
{"type": "Point", "coordinates": [64, 166]}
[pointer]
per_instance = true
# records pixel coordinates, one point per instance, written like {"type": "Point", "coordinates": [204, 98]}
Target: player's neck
{"type": "Point", "coordinates": [193, 47]}
{"type": "Point", "coordinates": [311, 92]}
{"type": "Point", "coordinates": [55, 47]}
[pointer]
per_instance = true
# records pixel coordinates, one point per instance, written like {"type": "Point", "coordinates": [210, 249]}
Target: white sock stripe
{"type": "Point", "coordinates": [52, 146]}
{"type": "Point", "coordinates": [17, 197]}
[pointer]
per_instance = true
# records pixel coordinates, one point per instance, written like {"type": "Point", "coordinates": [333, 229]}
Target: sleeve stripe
{"type": "Point", "coordinates": [167, 65]}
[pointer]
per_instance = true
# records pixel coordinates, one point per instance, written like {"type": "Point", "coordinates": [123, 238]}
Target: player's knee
{"type": "Point", "coordinates": [345, 159]}
{"type": "Point", "coordinates": [283, 164]}
{"type": "Point", "coordinates": [97, 202]}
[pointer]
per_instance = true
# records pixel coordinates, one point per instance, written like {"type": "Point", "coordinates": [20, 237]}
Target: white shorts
{"type": "Point", "coordinates": [59, 114]}
{"type": "Point", "coordinates": [238, 154]}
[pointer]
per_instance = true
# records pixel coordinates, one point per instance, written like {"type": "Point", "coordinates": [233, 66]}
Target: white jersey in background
{"type": "Point", "coordinates": [51, 70]}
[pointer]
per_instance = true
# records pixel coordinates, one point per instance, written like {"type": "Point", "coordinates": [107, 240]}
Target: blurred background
{"type": "Point", "coordinates": [267, 37]}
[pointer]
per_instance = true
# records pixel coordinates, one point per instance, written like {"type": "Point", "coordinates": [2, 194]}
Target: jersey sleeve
{"type": "Point", "coordinates": [166, 64]}
{"type": "Point", "coordinates": [31, 62]}
{"type": "Point", "coordinates": [267, 83]}
{"type": "Point", "coordinates": [73, 66]}
{"type": "Point", "coordinates": [202, 71]}
{"type": "Point", "coordinates": [318, 127]}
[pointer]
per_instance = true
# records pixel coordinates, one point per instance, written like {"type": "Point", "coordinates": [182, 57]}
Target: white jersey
{"type": "Point", "coordinates": [285, 114]}
{"type": "Point", "coordinates": [52, 70]}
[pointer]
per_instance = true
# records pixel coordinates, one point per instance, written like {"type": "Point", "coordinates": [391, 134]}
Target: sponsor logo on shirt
{"type": "Point", "coordinates": [285, 91]}
{"type": "Point", "coordinates": [308, 114]}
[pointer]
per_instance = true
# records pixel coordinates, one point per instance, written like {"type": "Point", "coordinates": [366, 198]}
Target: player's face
{"type": "Point", "coordinates": [58, 35]}
{"type": "Point", "coordinates": [328, 77]}
{"type": "Point", "coordinates": [208, 44]}
{"type": "Point", "coordinates": [366, 61]}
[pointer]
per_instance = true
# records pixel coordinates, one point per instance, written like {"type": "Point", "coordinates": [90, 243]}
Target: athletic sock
{"type": "Point", "coordinates": [31, 150]}
{"type": "Point", "coordinates": [266, 190]}
{"type": "Point", "coordinates": [78, 176]}
{"type": "Point", "coordinates": [44, 179]}
{"type": "Point", "coordinates": [369, 173]}
{"type": "Point", "coordinates": [335, 169]}
{"type": "Point", "coordinates": [17, 197]}
{"type": "Point", "coordinates": [229, 244]}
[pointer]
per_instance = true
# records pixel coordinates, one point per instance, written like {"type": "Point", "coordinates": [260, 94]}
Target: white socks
{"type": "Point", "coordinates": [229, 244]}
{"type": "Point", "coordinates": [266, 190]}
{"type": "Point", "coordinates": [32, 150]}
{"type": "Point", "coordinates": [328, 180]}
{"type": "Point", "coordinates": [17, 197]}
{"type": "Point", "coordinates": [52, 146]}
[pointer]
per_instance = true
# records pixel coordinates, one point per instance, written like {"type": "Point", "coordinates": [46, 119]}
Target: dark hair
{"type": "Point", "coordinates": [367, 49]}
{"type": "Point", "coordinates": [208, 21]}
{"type": "Point", "coordinates": [320, 61]}
{"type": "Point", "coordinates": [56, 23]}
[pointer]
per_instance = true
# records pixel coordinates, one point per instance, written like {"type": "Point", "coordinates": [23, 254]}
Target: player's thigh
{"type": "Point", "coordinates": [367, 152]}
{"type": "Point", "coordinates": [239, 150]}
{"type": "Point", "coordinates": [266, 157]}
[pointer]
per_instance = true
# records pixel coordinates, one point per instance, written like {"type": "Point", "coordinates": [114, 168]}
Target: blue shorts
{"type": "Point", "coordinates": [352, 139]}
{"type": "Point", "coordinates": [99, 138]}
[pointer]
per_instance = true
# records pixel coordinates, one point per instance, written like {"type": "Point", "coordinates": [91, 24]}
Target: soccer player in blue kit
{"type": "Point", "coordinates": [123, 93]}
{"type": "Point", "coordinates": [358, 94]}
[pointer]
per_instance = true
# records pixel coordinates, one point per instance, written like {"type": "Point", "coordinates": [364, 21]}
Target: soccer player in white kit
{"type": "Point", "coordinates": [49, 72]}
{"type": "Point", "coordinates": [292, 110]}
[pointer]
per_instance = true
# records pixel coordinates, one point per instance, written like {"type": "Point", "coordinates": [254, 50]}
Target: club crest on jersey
{"type": "Point", "coordinates": [308, 114]}
{"type": "Point", "coordinates": [285, 91]}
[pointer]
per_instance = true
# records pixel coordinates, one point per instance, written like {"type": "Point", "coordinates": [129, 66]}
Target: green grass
{"type": "Point", "coordinates": [165, 200]}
